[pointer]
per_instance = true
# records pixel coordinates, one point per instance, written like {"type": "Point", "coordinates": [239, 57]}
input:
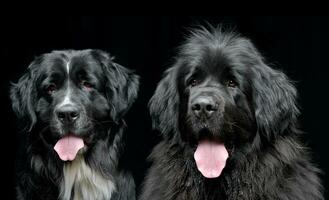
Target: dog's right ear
{"type": "Point", "coordinates": [164, 105]}
{"type": "Point", "coordinates": [23, 97]}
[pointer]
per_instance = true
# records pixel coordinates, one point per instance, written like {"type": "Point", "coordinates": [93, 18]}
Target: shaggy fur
{"type": "Point", "coordinates": [101, 92]}
{"type": "Point", "coordinates": [256, 119]}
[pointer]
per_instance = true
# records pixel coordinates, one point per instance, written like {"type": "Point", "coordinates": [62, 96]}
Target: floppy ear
{"type": "Point", "coordinates": [23, 97]}
{"type": "Point", "coordinates": [274, 99]}
{"type": "Point", "coordinates": [126, 84]}
{"type": "Point", "coordinates": [121, 86]}
{"type": "Point", "coordinates": [164, 105]}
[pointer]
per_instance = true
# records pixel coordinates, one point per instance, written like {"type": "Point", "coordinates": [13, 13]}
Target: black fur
{"type": "Point", "coordinates": [256, 120]}
{"type": "Point", "coordinates": [103, 91]}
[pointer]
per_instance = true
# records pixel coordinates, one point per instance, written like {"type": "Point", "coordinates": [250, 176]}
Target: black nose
{"type": "Point", "coordinates": [67, 114]}
{"type": "Point", "coordinates": [204, 106]}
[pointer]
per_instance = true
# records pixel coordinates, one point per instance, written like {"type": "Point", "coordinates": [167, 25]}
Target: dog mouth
{"type": "Point", "coordinates": [68, 147]}
{"type": "Point", "coordinates": [210, 155]}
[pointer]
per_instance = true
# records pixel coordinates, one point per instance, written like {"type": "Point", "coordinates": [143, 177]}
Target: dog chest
{"type": "Point", "coordinates": [82, 182]}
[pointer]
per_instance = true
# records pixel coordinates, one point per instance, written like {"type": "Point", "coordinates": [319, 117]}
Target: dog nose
{"type": "Point", "coordinates": [204, 106]}
{"type": "Point", "coordinates": [67, 114]}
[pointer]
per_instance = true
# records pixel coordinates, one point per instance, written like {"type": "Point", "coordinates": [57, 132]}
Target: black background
{"type": "Point", "coordinates": [297, 45]}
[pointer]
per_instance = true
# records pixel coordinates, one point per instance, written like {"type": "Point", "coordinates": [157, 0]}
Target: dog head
{"type": "Point", "coordinates": [71, 94]}
{"type": "Point", "coordinates": [220, 94]}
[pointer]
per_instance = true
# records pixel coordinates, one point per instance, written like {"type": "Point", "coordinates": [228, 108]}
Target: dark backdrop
{"type": "Point", "coordinates": [297, 45]}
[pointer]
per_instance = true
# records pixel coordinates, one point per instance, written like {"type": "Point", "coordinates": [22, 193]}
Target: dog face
{"type": "Point", "coordinates": [214, 102]}
{"type": "Point", "coordinates": [74, 93]}
{"type": "Point", "coordinates": [71, 94]}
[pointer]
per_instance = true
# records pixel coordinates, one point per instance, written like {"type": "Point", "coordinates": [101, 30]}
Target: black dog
{"type": "Point", "coordinates": [73, 103]}
{"type": "Point", "coordinates": [229, 124]}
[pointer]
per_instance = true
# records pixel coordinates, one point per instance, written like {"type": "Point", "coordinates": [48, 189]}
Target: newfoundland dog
{"type": "Point", "coordinates": [229, 123]}
{"type": "Point", "coordinates": [72, 105]}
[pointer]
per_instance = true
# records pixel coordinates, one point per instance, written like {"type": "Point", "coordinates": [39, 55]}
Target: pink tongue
{"type": "Point", "coordinates": [68, 147]}
{"type": "Point", "coordinates": [210, 158]}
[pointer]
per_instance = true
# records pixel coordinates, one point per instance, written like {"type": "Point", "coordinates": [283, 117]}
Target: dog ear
{"type": "Point", "coordinates": [126, 84]}
{"type": "Point", "coordinates": [274, 99]}
{"type": "Point", "coordinates": [23, 97]}
{"type": "Point", "coordinates": [121, 86]}
{"type": "Point", "coordinates": [164, 105]}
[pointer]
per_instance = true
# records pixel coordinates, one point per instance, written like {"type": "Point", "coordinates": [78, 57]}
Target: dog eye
{"type": "Point", "coordinates": [193, 82]}
{"type": "Point", "coordinates": [86, 84]}
{"type": "Point", "coordinates": [231, 83]}
{"type": "Point", "coordinates": [51, 88]}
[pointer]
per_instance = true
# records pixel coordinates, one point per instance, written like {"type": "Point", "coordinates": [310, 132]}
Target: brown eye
{"type": "Point", "coordinates": [193, 82]}
{"type": "Point", "coordinates": [51, 88]}
{"type": "Point", "coordinates": [86, 84]}
{"type": "Point", "coordinates": [231, 83]}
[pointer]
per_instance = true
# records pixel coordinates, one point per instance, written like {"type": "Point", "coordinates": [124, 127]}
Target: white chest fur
{"type": "Point", "coordinates": [84, 183]}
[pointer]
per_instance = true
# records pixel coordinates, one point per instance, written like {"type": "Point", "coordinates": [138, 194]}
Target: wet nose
{"type": "Point", "coordinates": [67, 114]}
{"type": "Point", "coordinates": [204, 106]}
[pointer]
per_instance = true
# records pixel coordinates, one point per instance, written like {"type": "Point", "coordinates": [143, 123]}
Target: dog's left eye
{"type": "Point", "coordinates": [231, 83]}
{"type": "Point", "coordinates": [86, 84]}
{"type": "Point", "coordinates": [193, 82]}
{"type": "Point", "coordinates": [51, 88]}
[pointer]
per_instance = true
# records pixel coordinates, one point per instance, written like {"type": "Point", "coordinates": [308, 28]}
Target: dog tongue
{"type": "Point", "coordinates": [68, 147]}
{"type": "Point", "coordinates": [210, 158]}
